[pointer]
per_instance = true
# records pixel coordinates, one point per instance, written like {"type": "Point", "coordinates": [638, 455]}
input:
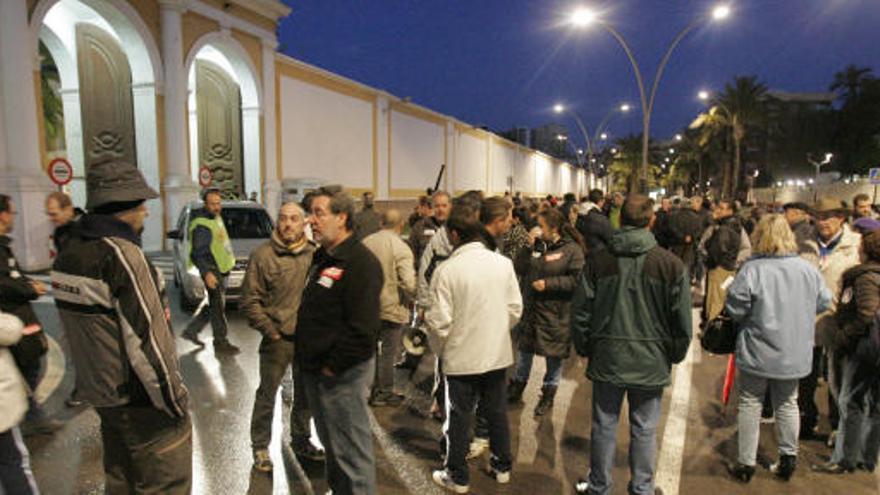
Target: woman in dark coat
{"type": "Point", "coordinates": [550, 269]}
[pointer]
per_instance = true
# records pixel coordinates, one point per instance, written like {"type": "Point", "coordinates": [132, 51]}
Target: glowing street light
{"type": "Point", "coordinates": [583, 17]}
{"type": "Point", "coordinates": [561, 137]}
{"type": "Point", "coordinates": [559, 108]}
{"type": "Point", "coordinates": [671, 151]}
{"type": "Point", "coordinates": [678, 137]}
{"type": "Point", "coordinates": [603, 136]}
{"type": "Point", "coordinates": [703, 95]}
{"type": "Point", "coordinates": [625, 107]}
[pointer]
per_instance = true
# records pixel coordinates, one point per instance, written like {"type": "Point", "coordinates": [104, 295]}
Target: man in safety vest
{"type": "Point", "coordinates": [211, 252]}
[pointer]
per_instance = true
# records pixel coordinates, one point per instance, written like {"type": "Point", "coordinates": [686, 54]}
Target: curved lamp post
{"type": "Point", "coordinates": [600, 134]}
{"type": "Point", "coordinates": [584, 17]}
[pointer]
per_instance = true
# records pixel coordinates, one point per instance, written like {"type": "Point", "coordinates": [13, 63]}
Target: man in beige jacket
{"type": "Point", "coordinates": [272, 291]}
{"type": "Point", "coordinates": [399, 286]}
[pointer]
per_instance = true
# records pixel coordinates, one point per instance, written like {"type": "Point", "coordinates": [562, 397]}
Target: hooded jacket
{"type": "Point", "coordinates": [859, 303]}
{"type": "Point", "coordinates": [594, 226]}
{"type": "Point", "coordinates": [112, 305]}
{"type": "Point", "coordinates": [544, 329]}
{"type": "Point", "coordinates": [724, 244]}
{"type": "Point", "coordinates": [631, 312]}
{"type": "Point", "coordinates": [273, 285]}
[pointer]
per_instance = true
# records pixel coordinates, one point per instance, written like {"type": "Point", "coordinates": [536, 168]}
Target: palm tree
{"type": "Point", "coordinates": [744, 103]}
{"type": "Point", "coordinates": [849, 82]}
{"type": "Point", "coordinates": [626, 164]}
{"type": "Point", "coordinates": [711, 135]}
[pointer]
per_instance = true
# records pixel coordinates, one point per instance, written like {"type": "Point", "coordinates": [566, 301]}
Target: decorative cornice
{"type": "Point", "coordinates": [272, 9]}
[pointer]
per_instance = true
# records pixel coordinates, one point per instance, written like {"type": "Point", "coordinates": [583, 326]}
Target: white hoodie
{"type": "Point", "coordinates": [475, 303]}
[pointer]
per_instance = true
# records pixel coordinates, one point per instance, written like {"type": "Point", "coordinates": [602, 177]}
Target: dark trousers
{"type": "Point", "coordinates": [387, 352]}
{"type": "Point", "coordinates": [15, 466]}
{"type": "Point", "coordinates": [32, 372]}
{"type": "Point", "coordinates": [481, 428]}
{"type": "Point", "coordinates": [146, 451]}
{"type": "Point", "coordinates": [462, 394]}
{"type": "Point", "coordinates": [807, 393]}
{"type": "Point", "coordinates": [342, 418]}
{"type": "Point", "coordinates": [214, 312]}
{"type": "Point", "coordinates": [275, 357]}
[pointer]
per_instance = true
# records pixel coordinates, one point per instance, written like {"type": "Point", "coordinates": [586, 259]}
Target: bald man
{"type": "Point", "coordinates": [396, 259]}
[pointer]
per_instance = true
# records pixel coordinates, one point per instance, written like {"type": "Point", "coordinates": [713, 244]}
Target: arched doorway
{"type": "Point", "coordinates": [108, 69]}
{"type": "Point", "coordinates": [224, 115]}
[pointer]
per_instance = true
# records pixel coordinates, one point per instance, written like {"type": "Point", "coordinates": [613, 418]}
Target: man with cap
{"type": "Point", "coordinates": [797, 214]}
{"type": "Point", "coordinates": [115, 314]}
{"type": "Point", "coordinates": [211, 252]}
{"type": "Point", "coordinates": [838, 251]}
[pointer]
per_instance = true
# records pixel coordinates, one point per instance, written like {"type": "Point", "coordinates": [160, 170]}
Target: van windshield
{"type": "Point", "coordinates": [247, 223]}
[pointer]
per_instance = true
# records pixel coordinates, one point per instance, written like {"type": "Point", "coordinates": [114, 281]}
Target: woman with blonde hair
{"type": "Point", "coordinates": [774, 299]}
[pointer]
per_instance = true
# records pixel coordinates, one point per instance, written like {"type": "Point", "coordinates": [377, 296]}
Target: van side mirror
{"type": "Point", "coordinates": [174, 234]}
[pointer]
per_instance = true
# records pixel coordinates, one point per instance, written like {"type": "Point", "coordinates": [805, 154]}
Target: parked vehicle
{"type": "Point", "coordinates": [248, 226]}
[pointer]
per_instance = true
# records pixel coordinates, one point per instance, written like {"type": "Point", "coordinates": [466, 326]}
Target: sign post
{"type": "Point", "coordinates": [60, 172]}
{"type": "Point", "coordinates": [205, 176]}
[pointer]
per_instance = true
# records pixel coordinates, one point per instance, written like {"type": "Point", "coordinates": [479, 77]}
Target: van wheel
{"type": "Point", "coordinates": [185, 303]}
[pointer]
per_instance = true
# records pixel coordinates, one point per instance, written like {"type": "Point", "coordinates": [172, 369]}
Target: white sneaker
{"type": "Point", "coordinates": [478, 447]}
{"type": "Point", "coordinates": [501, 477]}
{"type": "Point", "coordinates": [442, 478]}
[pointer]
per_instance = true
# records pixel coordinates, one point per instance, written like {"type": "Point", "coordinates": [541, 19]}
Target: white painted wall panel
{"type": "Point", "coordinates": [325, 135]}
{"type": "Point", "coordinates": [524, 172]}
{"type": "Point", "coordinates": [417, 151]}
{"type": "Point", "coordinates": [470, 163]}
{"type": "Point", "coordinates": [543, 175]}
{"type": "Point", "coordinates": [503, 161]}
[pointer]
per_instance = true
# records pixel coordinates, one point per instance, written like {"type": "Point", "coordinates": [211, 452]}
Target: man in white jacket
{"type": "Point", "coordinates": [475, 303]}
{"type": "Point", "coordinates": [15, 470]}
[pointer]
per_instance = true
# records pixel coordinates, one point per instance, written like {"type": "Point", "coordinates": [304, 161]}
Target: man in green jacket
{"type": "Point", "coordinates": [631, 316]}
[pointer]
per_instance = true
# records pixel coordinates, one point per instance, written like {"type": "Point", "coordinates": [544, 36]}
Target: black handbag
{"type": "Point", "coordinates": [719, 335]}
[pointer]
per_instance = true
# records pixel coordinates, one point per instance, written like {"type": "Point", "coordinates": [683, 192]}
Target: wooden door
{"type": "Point", "coordinates": [218, 103]}
{"type": "Point", "coordinates": [105, 97]}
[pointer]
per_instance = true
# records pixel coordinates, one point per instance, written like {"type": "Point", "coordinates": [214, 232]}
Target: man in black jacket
{"type": "Point", "coordinates": [16, 293]}
{"type": "Point", "coordinates": [212, 254]}
{"type": "Point", "coordinates": [336, 332]}
{"type": "Point", "coordinates": [593, 225]}
{"type": "Point", "coordinates": [686, 225]}
{"type": "Point", "coordinates": [722, 251]}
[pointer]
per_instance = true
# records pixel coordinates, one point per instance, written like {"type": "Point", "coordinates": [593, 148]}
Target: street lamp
{"type": "Point", "coordinates": [703, 95]}
{"type": "Point", "coordinates": [584, 17]}
{"type": "Point", "coordinates": [561, 108]}
{"type": "Point", "coordinates": [818, 164]}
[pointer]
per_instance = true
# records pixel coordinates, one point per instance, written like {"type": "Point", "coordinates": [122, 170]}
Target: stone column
{"type": "Point", "coordinates": [384, 183]}
{"type": "Point", "coordinates": [21, 173]}
{"type": "Point", "coordinates": [271, 181]}
{"type": "Point", "coordinates": [178, 183]}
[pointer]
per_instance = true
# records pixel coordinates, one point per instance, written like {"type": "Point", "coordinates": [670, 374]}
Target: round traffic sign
{"type": "Point", "coordinates": [205, 176]}
{"type": "Point", "coordinates": [60, 171]}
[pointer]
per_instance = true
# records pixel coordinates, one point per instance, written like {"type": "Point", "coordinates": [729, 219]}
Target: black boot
{"type": "Point", "coordinates": [741, 472]}
{"type": "Point", "coordinates": [515, 391]}
{"type": "Point", "coordinates": [785, 467]}
{"type": "Point", "coordinates": [548, 392]}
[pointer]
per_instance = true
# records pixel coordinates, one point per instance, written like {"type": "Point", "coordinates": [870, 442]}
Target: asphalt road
{"type": "Point", "coordinates": [697, 434]}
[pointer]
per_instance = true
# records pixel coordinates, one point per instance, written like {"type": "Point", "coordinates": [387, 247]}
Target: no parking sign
{"type": "Point", "coordinates": [60, 172]}
{"type": "Point", "coordinates": [205, 176]}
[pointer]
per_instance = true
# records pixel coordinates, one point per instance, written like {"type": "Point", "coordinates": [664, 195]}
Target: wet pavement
{"type": "Point", "coordinates": [697, 435]}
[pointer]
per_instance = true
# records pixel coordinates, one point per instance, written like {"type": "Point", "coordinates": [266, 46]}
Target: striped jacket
{"type": "Point", "coordinates": [112, 305]}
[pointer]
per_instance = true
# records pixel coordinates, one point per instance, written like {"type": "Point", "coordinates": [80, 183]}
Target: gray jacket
{"type": "Point", "coordinates": [775, 300]}
{"type": "Point", "coordinates": [438, 250]}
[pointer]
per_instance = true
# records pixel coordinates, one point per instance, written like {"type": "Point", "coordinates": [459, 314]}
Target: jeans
{"type": "Point", "coordinates": [387, 352]}
{"type": "Point", "coordinates": [275, 358]}
{"type": "Point", "coordinates": [552, 376]}
{"type": "Point", "coordinates": [462, 394]}
{"type": "Point", "coordinates": [858, 437]}
{"type": "Point", "coordinates": [15, 465]}
{"type": "Point", "coordinates": [339, 404]}
{"type": "Point", "coordinates": [644, 415]}
{"type": "Point", "coordinates": [783, 395]}
{"type": "Point", "coordinates": [146, 451]}
{"type": "Point", "coordinates": [214, 312]}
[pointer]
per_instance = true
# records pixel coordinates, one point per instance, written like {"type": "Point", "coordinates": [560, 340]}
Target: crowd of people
{"type": "Point", "coordinates": [343, 299]}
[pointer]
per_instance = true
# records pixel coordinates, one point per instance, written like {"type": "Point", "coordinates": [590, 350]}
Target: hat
{"type": "Point", "coordinates": [796, 205]}
{"type": "Point", "coordinates": [115, 181]}
{"type": "Point", "coordinates": [829, 207]}
{"type": "Point", "coordinates": [866, 224]}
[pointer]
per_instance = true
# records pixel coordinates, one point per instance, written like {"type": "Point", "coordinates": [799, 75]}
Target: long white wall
{"type": "Point", "coordinates": [339, 131]}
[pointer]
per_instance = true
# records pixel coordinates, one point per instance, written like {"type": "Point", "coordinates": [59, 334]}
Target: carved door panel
{"type": "Point", "coordinates": [105, 96]}
{"type": "Point", "coordinates": [218, 102]}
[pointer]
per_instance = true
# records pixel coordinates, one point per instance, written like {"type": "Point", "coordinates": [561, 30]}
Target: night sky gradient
{"type": "Point", "coordinates": [504, 63]}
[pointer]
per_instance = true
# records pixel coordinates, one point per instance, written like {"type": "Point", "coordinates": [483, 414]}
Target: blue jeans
{"type": "Point", "coordinates": [339, 406]}
{"type": "Point", "coordinates": [524, 367]}
{"type": "Point", "coordinates": [858, 435]}
{"type": "Point", "coordinates": [644, 414]}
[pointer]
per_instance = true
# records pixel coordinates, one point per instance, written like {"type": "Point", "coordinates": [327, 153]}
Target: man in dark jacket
{"type": "Point", "coordinates": [115, 314]}
{"type": "Point", "coordinates": [425, 229]}
{"type": "Point", "coordinates": [336, 341]}
{"type": "Point", "coordinates": [271, 293]}
{"type": "Point", "coordinates": [685, 228]}
{"type": "Point", "coordinates": [367, 221]}
{"type": "Point", "coordinates": [17, 290]}
{"type": "Point", "coordinates": [661, 224]}
{"type": "Point", "coordinates": [211, 252]}
{"type": "Point", "coordinates": [631, 316]}
{"type": "Point", "coordinates": [722, 251]}
{"type": "Point", "coordinates": [593, 225]}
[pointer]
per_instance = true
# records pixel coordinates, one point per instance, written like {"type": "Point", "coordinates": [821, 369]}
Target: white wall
{"type": "Point", "coordinates": [470, 163]}
{"type": "Point", "coordinates": [417, 151]}
{"type": "Point", "coordinates": [325, 134]}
